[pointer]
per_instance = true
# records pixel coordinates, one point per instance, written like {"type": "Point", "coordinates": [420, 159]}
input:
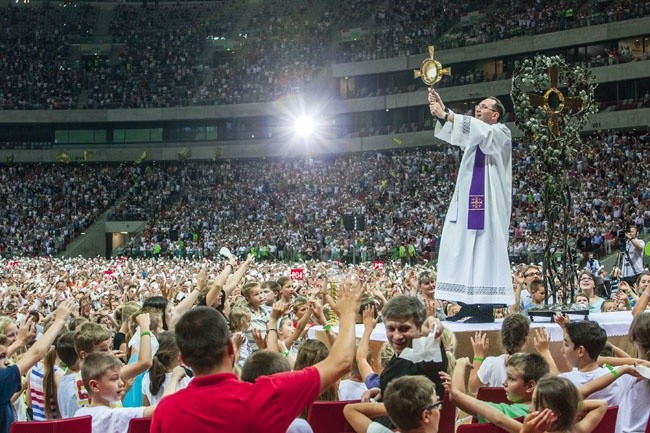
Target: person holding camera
{"type": "Point", "coordinates": [633, 255]}
{"type": "Point", "coordinates": [593, 265]}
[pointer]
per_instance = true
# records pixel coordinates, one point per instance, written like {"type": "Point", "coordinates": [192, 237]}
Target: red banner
{"type": "Point", "coordinates": [296, 274]}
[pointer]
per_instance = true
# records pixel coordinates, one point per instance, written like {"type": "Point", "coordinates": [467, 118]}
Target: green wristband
{"type": "Point", "coordinates": [327, 328]}
{"type": "Point", "coordinates": [478, 359]}
{"type": "Point", "coordinates": [613, 371]}
{"type": "Point", "coordinates": [143, 333]}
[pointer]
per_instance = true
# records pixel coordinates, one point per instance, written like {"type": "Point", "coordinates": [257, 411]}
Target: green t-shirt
{"type": "Point", "coordinates": [511, 410]}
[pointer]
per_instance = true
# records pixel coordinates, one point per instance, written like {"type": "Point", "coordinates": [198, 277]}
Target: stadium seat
{"type": "Point", "coordinates": [447, 421]}
{"type": "Point", "coordinates": [608, 423]}
{"type": "Point", "coordinates": [327, 417]}
{"type": "Point", "coordinates": [493, 394]}
{"type": "Point", "coordinates": [479, 428]}
{"type": "Point", "coordinates": [82, 424]}
{"type": "Point", "coordinates": [139, 425]}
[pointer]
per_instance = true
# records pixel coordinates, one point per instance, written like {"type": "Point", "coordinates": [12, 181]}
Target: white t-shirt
{"type": "Point", "coordinates": [107, 420]}
{"type": "Point", "coordinates": [375, 427]}
{"type": "Point", "coordinates": [634, 409]}
{"type": "Point", "coordinates": [299, 425]}
{"type": "Point", "coordinates": [492, 371]}
{"type": "Point", "coordinates": [154, 399]}
{"type": "Point", "coordinates": [351, 390]}
{"type": "Point", "coordinates": [66, 395]}
{"type": "Point", "coordinates": [611, 394]}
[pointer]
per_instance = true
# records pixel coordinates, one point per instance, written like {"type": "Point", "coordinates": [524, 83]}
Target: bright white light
{"type": "Point", "coordinates": [305, 126]}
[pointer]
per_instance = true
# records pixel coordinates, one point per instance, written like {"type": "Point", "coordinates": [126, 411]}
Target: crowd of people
{"type": "Point", "coordinates": [169, 54]}
{"type": "Point", "coordinates": [35, 59]}
{"type": "Point", "coordinates": [292, 209]}
{"type": "Point", "coordinates": [295, 214]}
{"type": "Point", "coordinates": [44, 207]}
{"type": "Point", "coordinates": [144, 310]}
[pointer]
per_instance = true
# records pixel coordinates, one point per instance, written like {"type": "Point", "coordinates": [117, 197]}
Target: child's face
{"type": "Point", "coordinates": [539, 295]}
{"type": "Point", "coordinates": [4, 356]}
{"type": "Point", "coordinates": [104, 346]}
{"type": "Point", "coordinates": [255, 297]}
{"type": "Point", "coordinates": [287, 289]}
{"type": "Point", "coordinates": [517, 390]}
{"type": "Point", "coordinates": [11, 332]}
{"type": "Point", "coordinates": [109, 387]}
{"type": "Point", "coordinates": [245, 324]}
{"type": "Point", "coordinates": [286, 330]}
{"type": "Point", "coordinates": [400, 333]}
{"type": "Point", "coordinates": [582, 300]}
{"type": "Point", "coordinates": [610, 307]}
{"type": "Point", "coordinates": [570, 351]}
{"type": "Point", "coordinates": [268, 296]}
{"type": "Point", "coordinates": [644, 282]}
{"type": "Point", "coordinates": [300, 310]}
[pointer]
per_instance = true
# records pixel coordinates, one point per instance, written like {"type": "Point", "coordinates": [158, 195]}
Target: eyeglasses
{"type": "Point", "coordinates": [484, 107]}
{"type": "Point", "coordinates": [432, 406]}
{"type": "Point", "coordinates": [533, 274]}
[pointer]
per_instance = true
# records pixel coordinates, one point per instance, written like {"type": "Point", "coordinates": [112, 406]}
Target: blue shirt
{"type": "Point", "coordinates": [9, 385]}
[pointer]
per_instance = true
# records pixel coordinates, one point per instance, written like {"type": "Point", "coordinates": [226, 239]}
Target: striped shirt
{"type": "Point", "coordinates": [37, 392]}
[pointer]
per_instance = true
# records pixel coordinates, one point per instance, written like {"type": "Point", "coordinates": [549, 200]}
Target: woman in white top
{"type": "Point", "coordinates": [157, 378]}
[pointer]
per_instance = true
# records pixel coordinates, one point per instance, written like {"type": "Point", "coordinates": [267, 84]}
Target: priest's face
{"type": "Point", "coordinates": [486, 111]}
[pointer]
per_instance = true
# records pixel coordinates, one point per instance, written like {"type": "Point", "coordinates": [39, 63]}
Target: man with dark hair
{"type": "Point", "coordinates": [403, 318]}
{"type": "Point", "coordinates": [217, 401]}
{"type": "Point", "coordinates": [473, 265]}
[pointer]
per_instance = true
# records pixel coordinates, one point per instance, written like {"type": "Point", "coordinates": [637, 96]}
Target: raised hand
{"type": "Point", "coordinates": [64, 309]}
{"type": "Point", "coordinates": [260, 339]}
{"type": "Point", "coordinates": [202, 280]}
{"type": "Point", "coordinates": [349, 297]}
{"type": "Point", "coordinates": [369, 320]}
{"type": "Point", "coordinates": [539, 421]}
{"type": "Point", "coordinates": [238, 339]}
{"type": "Point", "coordinates": [541, 340]}
{"type": "Point", "coordinates": [165, 290]}
{"type": "Point", "coordinates": [26, 330]}
{"type": "Point", "coordinates": [480, 344]}
{"type": "Point", "coordinates": [144, 321]}
{"type": "Point", "coordinates": [280, 309]}
{"type": "Point", "coordinates": [179, 372]}
{"type": "Point", "coordinates": [561, 319]}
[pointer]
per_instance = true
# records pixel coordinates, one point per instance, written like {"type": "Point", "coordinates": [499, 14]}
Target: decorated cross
{"type": "Point", "coordinates": [554, 101]}
{"type": "Point", "coordinates": [540, 111]}
{"type": "Point", "coordinates": [431, 70]}
{"type": "Point", "coordinates": [477, 202]}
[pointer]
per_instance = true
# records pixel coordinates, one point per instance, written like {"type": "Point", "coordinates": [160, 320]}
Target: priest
{"type": "Point", "coordinates": [473, 264]}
